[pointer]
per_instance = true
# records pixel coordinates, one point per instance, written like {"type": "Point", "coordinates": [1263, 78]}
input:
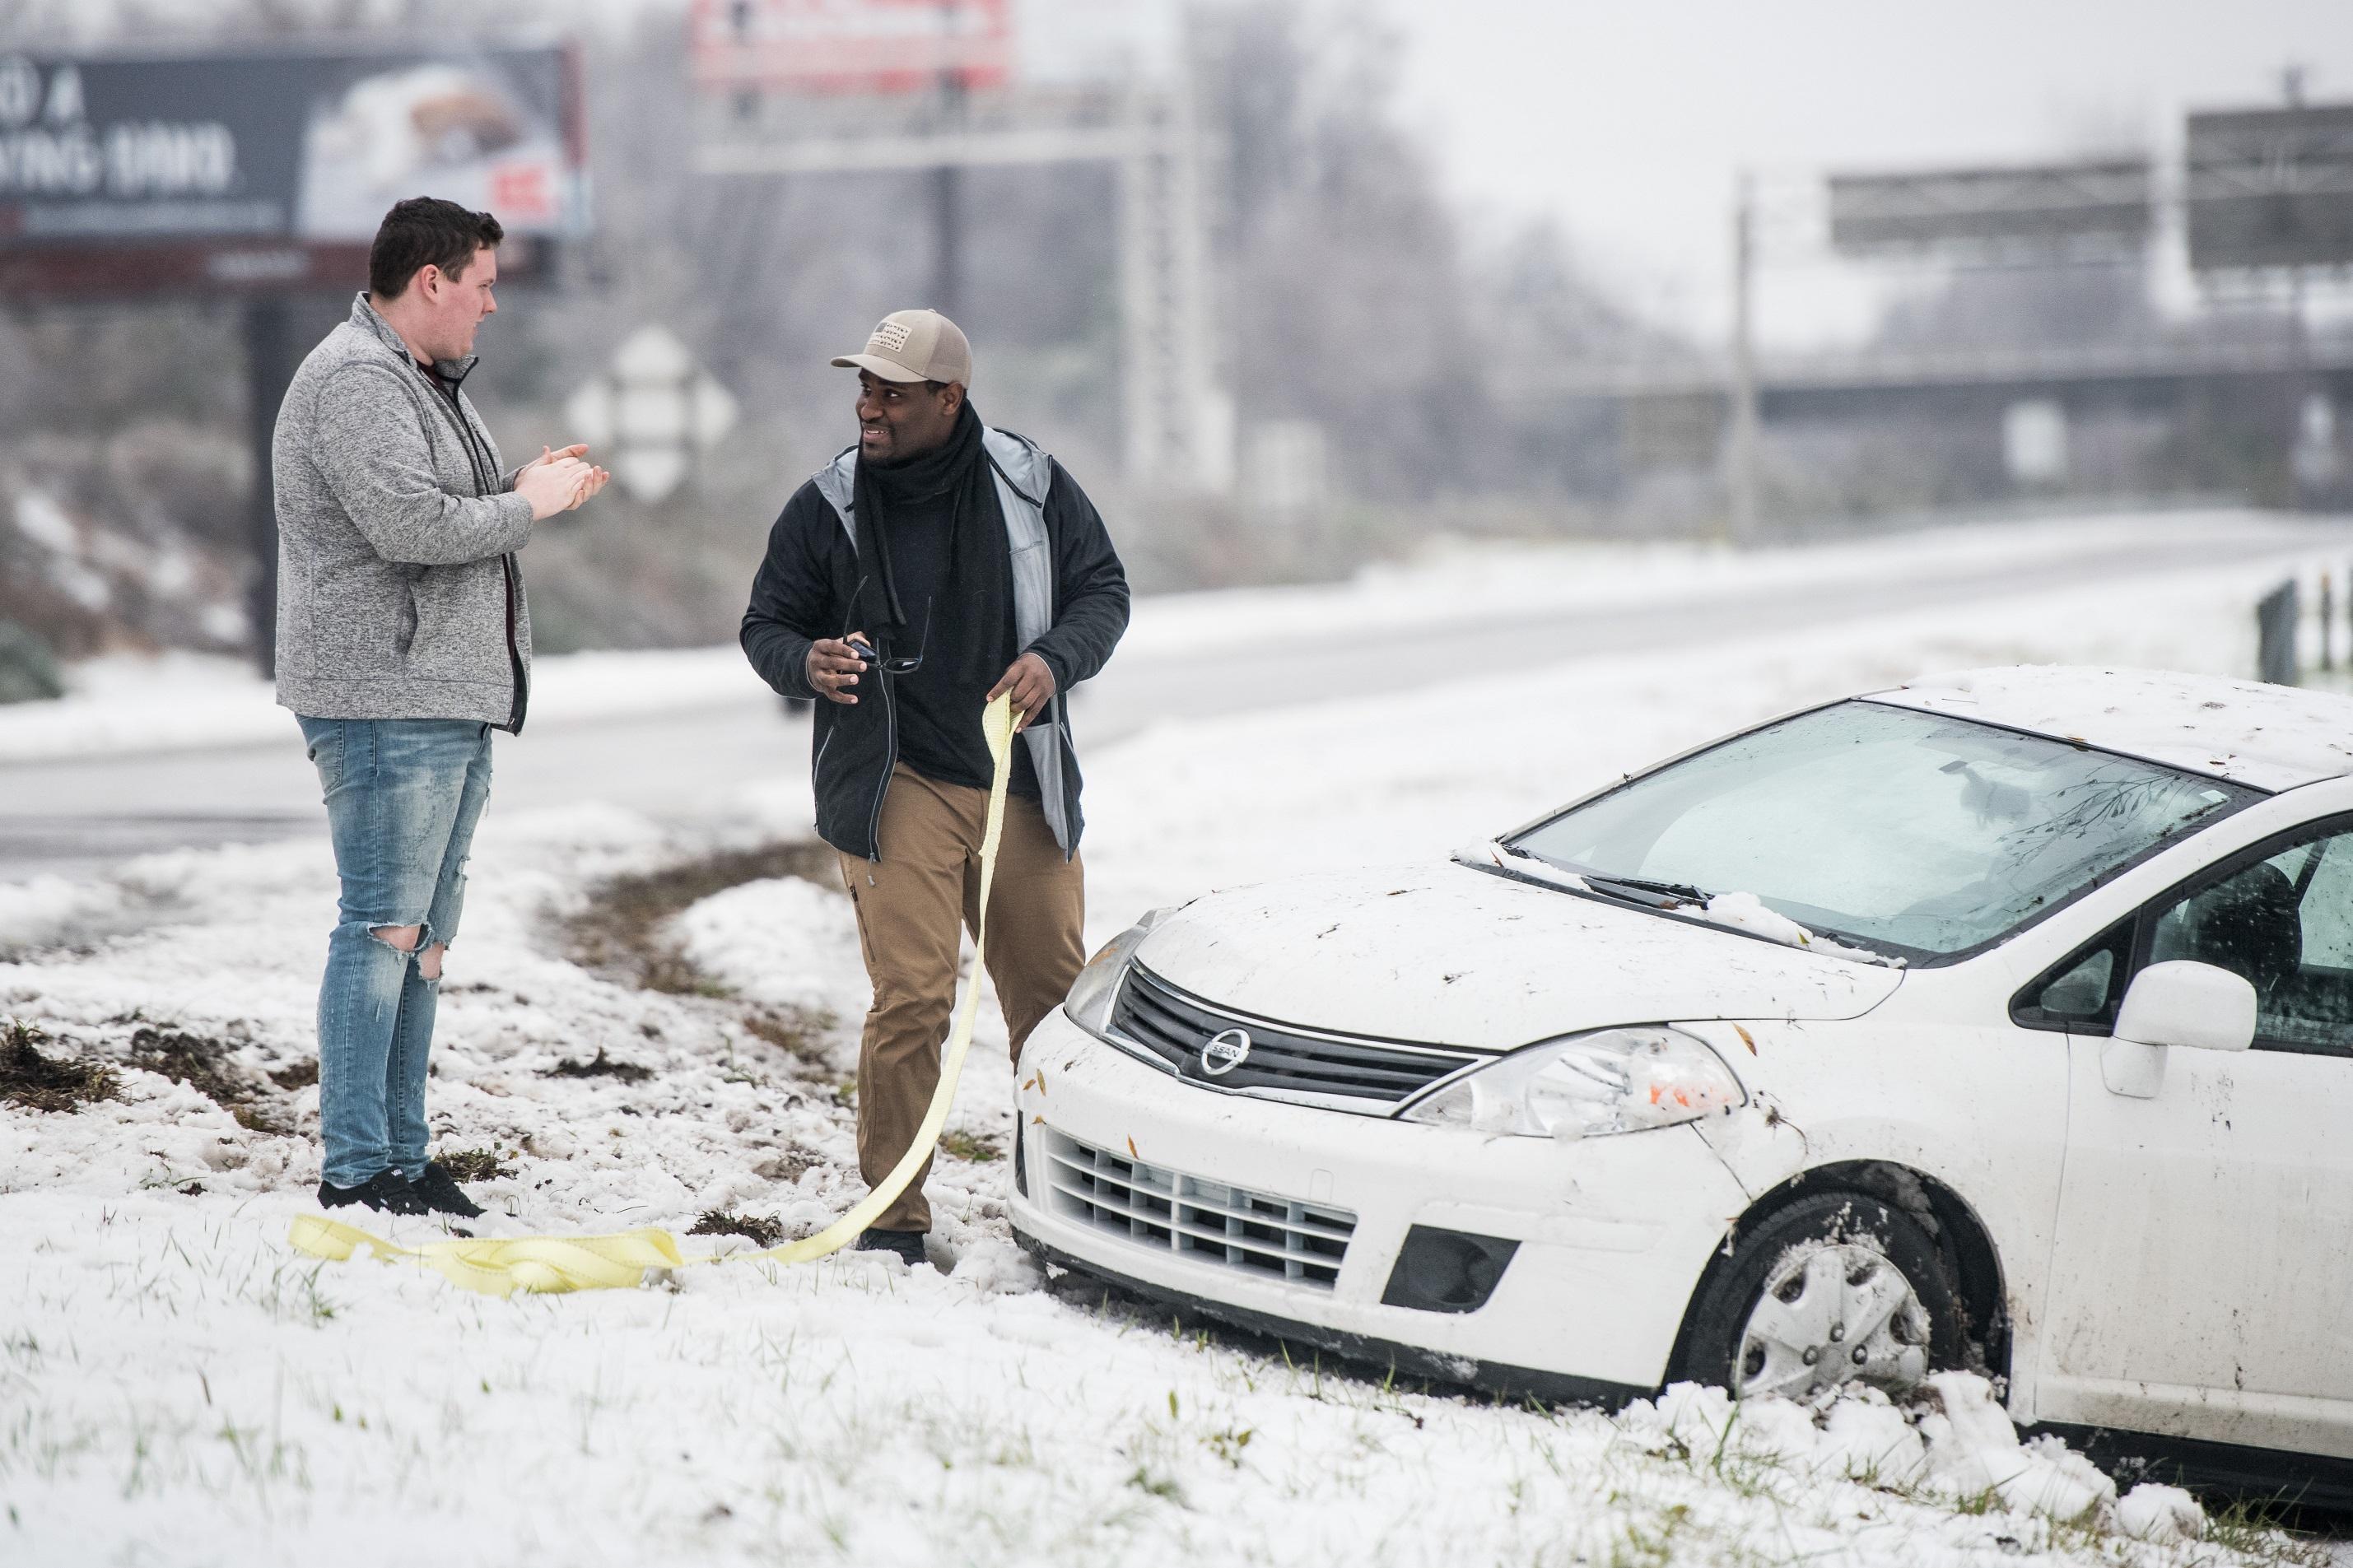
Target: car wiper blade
{"type": "Point", "coordinates": [1680, 892]}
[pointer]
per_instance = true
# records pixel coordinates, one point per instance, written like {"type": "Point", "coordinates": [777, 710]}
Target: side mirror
{"type": "Point", "coordinates": [2200, 1006]}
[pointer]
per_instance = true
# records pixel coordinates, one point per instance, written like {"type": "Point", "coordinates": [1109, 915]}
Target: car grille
{"type": "Point", "coordinates": [1173, 1026]}
{"type": "Point", "coordinates": [1209, 1221]}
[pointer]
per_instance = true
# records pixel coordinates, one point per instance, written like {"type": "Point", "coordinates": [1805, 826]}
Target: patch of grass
{"type": "Point", "coordinates": [2267, 1529]}
{"type": "Point", "coordinates": [972, 1148]}
{"type": "Point", "coordinates": [789, 1167]}
{"type": "Point", "coordinates": [203, 1065]}
{"type": "Point", "coordinates": [761, 1230]}
{"type": "Point", "coordinates": [475, 1166]}
{"type": "Point", "coordinates": [1162, 1487]}
{"type": "Point", "coordinates": [800, 1035]}
{"type": "Point", "coordinates": [602, 1066]}
{"type": "Point", "coordinates": [1228, 1444]}
{"type": "Point", "coordinates": [619, 932]}
{"type": "Point", "coordinates": [48, 1083]}
{"type": "Point", "coordinates": [1650, 1545]}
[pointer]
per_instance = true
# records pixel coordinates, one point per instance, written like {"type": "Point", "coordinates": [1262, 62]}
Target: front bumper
{"type": "Point", "coordinates": [1614, 1231]}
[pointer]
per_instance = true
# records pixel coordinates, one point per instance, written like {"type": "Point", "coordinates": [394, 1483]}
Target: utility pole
{"type": "Point", "coordinates": [2306, 385]}
{"type": "Point", "coordinates": [269, 371]}
{"type": "Point", "coordinates": [947, 182]}
{"type": "Point", "coordinates": [948, 191]}
{"type": "Point", "coordinates": [1741, 475]}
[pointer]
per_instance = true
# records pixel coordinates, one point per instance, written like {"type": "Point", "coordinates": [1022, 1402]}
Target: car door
{"type": "Point", "coordinates": [2203, 1262]}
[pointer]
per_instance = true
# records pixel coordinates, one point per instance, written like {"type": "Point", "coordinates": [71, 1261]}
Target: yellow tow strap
{"type": "Point", "coordinates": [554, 1264]}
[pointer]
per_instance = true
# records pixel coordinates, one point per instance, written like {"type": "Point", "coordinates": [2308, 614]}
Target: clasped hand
{"type": "Point", "coordinates": [558, 479]}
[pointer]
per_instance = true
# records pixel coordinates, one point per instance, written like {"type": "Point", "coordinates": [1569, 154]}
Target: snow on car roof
{"type": "Point", "coordinates": [2273, 737]}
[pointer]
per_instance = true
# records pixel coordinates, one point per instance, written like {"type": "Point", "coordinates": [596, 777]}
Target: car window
{"type": "Point", "coordinates": [2283, 922]}
{"type": "Point", "coordinates": [2328, 907]}
{"type": "Point", "coordinates": [2081, 992]}
{"type": "Point", "coordinates": [1923, 835]}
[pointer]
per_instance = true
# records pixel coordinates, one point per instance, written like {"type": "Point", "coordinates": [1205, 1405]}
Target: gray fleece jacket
{"type": "Point", "coordinates": [398, 594]}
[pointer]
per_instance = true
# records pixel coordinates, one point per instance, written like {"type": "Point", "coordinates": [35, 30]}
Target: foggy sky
{"type": "Point", "coordinates": [1628, 119]}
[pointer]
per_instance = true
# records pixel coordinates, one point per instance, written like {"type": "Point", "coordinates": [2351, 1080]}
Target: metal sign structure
{"type": "Point", "coordinates": [2047, 205]}
{"type": "Point", "coordinates": [850, 46]}
{"type": "Point", "coordinates": [2271, 187]}
{"type": "Point", "coordinates": [268, 173]}
{"type": "Point", "coordinates": [1178, 423]}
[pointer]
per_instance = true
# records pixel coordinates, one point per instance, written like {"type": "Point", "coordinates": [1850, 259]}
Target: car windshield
{"type": "Point", "coordinates": [1915, 834]}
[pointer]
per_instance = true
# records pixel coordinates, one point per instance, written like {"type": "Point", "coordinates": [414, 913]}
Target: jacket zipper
{"type": "Point", "coordinates": [485, 476]}
{"type": "Point", "coordinates": [890, 765]}
{"type": "Point", "coordinates": [890, 739]}
{"type": "Point", "coordinates": [518, 675]}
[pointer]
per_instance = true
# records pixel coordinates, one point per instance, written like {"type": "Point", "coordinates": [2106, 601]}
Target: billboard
{"type": "Point", "coordinates": [850, 46]}
{"type": "Point", "coordinates": [270, 171]}
{"type": "Point", "coordinates": [2271, 187]}
{"type": "Point", "coordinates": [2049, 204]}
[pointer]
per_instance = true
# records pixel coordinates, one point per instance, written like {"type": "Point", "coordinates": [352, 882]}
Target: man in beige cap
{"type": "Point", "coordinates": [924, 571]}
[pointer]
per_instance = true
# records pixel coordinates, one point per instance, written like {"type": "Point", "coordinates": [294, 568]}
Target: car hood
{"type": "Point", "coordinates": [1452, 955]}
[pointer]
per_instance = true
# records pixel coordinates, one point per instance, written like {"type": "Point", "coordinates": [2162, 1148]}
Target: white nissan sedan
{"type": "Point", "coordinates": [2002, 1021]}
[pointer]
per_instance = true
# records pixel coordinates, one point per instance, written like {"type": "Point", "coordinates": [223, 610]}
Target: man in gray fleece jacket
{"type": "Point", "coordinates": [403, 641]}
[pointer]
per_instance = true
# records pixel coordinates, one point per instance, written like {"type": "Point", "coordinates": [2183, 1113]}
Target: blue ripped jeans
{"type": "Point", "coordinates": [403, 797]}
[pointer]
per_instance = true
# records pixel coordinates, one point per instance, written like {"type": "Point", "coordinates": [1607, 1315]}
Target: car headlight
{"type": "Point", "coordinates": [1092, 993]}
{"type": "Point", "coordinates": [1611, 1080]}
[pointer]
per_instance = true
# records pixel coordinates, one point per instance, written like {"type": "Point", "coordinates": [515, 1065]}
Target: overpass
{"type": "Point", "coordinates": [2152, 375]}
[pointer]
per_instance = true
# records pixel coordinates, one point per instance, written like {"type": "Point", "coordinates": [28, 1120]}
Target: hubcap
{"type": "Point", "coordinates": [1832, 1313]}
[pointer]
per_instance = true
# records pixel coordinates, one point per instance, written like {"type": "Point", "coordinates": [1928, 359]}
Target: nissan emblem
{"type": "Point", "coordinates": [1227, 1051]}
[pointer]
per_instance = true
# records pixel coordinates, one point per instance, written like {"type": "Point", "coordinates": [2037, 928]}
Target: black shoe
{"type": "Point", "coordinates": [441, 1192]}
{"type": "Point", "coordinates": [387, 1192]}
{"type": "Point", "coordinates": [908, 1245]}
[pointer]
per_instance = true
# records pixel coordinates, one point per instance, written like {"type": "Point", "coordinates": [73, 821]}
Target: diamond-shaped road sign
{"type": "Point", "coordinates": [655, 412]}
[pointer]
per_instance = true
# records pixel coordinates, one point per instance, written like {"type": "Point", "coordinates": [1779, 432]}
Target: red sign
{"type": "Point", "coordinates": [850, 46]}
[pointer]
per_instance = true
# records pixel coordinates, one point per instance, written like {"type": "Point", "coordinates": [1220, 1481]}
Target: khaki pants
{"type": "Point", "coordinates": [912, 906]}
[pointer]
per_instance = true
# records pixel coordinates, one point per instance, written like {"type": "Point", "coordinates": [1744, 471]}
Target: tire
{"type": "Point", "coordinates": [1851, 1280]}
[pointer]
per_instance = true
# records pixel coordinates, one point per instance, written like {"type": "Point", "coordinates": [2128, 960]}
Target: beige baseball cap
{"type": "Point", "coordinates": [916, 345]}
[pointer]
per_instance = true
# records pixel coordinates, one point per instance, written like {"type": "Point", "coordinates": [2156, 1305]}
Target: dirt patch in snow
{"type": "Point", "coordinates": [203, 1066]}
{"type": "Point", "coordinates": [619, 934]}
{"type": "Point", "coordinates": [301, 1075]}
{"type": "Point", "coordinates": [800, 1035]}
{"type": "Point", "coordinates": [789, 1167]}
{"type": "Point", "coordinates": [39, 1082]}
{"type": "Point", "coordinates": [972, 1147]}
{"type": "Point", "coordinates": [602, 1066]}
{"type": "Point", "coordinates": [475, 1166]}
{"type": "Point", "coordinates": [761, 1230]}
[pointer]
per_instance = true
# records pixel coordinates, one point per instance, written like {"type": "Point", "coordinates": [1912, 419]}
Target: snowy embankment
{"type": "Point", "coordinates": [123, 705]}
{"type": "Point", "coordinates": [178, 1387]}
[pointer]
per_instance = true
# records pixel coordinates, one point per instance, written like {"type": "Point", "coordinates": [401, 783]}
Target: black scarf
{"type": "Point", "coordinates": [971, 622]}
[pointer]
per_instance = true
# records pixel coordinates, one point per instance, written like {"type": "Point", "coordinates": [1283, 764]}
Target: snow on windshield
{"type": "Point", "coordinates": [1917, 833]}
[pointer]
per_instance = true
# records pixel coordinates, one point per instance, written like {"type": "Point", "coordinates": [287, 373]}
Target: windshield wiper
{"type": "Point", "coordinates": [1614, 886]}
{"type": "Point", "coordinates": [1675, 892]}
{"type": "Point", "coordinates": [1735, 912]}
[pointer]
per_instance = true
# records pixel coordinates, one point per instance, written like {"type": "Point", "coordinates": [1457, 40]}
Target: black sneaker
{"type": "Point", "coordinates": [387, 1191]}
{"type": "Point", "coordinates": [442, 1194]}
{"type": "Point", "coordinates": [908, 1245]}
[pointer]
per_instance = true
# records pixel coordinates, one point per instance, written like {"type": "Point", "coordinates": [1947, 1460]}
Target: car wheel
{"type": "Point", "coordinates": [1836, 1288]}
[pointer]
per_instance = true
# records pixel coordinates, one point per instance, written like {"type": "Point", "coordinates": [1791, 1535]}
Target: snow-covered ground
{"type": "Point", "coordinates": [176, 1386]}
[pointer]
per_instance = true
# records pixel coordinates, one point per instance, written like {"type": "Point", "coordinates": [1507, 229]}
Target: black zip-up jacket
{"type": "Point", "coordinates": [805, 590]}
